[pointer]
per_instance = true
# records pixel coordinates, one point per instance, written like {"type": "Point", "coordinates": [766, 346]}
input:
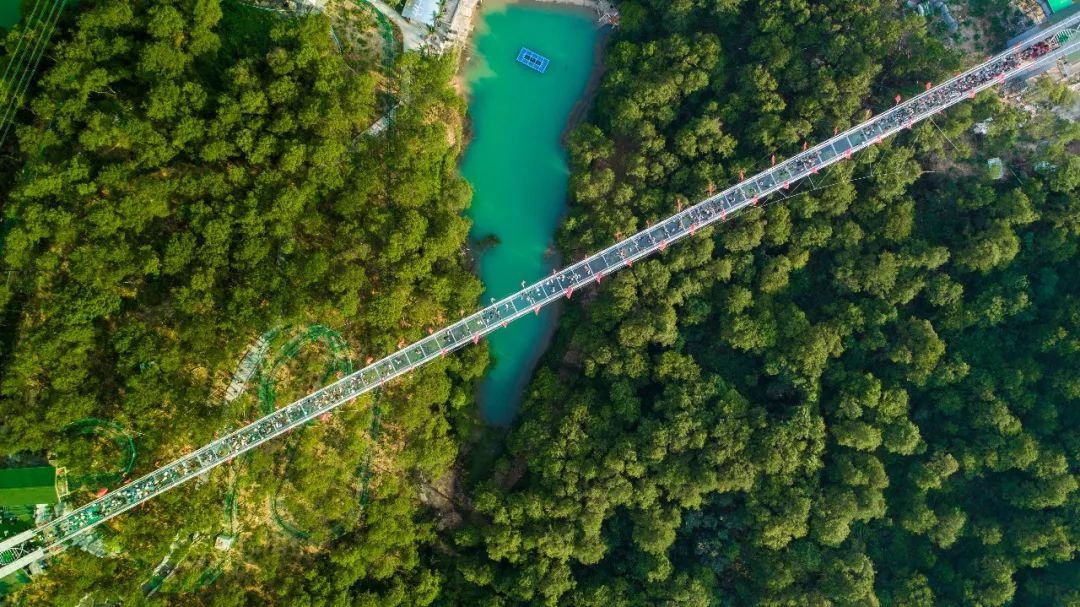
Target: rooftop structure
{"type": "Point", "coordinates": [532, 59]}
{"type": "Point", "coordinates": [421, 11]}
{"type": "Point", "coordinates": [28, 486]}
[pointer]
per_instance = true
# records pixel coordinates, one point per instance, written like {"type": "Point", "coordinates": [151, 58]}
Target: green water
{"type": "Point", "coordinates": [518, 169]}
{"type": "Point", "coordinates": [9, 13]}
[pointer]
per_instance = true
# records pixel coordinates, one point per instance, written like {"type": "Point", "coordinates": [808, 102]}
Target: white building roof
{"type": "Point", "coordinates": [421, 11]}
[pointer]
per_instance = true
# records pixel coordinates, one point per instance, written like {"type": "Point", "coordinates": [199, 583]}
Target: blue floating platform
{"type": "Point", "coordinates": [533, 60]}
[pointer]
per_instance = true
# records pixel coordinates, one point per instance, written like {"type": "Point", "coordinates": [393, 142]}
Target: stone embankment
{"type": "Point", "coordinates": [456, 21]}
{"type": "Point", "coordinates": [605, 9]}
{"type": "Point", "coordinates": [582, 3]}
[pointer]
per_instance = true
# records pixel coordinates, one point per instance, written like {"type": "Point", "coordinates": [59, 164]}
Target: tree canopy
{"type": "Point", "coordinates": [862, 393]}
{"type": "Point", "coordinates": [187, 175]}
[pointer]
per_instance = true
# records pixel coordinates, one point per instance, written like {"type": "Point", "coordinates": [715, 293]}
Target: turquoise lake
{"type": "Point", "coordinates": [517, 167]}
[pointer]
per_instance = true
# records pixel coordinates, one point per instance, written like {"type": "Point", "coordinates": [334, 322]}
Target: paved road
{"type": "Point", "coordinates": [411, 34]}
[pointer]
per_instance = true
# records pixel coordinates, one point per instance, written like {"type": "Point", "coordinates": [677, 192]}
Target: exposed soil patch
{"type": "Point", "coordinates": [581, 108]}
{"type": "Point", "coordinates": [444, 497]}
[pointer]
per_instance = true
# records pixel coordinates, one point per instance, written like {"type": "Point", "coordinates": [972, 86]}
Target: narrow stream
{"type": "Point", "coordinates": [518, 169]}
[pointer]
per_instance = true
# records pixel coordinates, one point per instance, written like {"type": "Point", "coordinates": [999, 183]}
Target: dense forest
{"type": "Point", "coordinates": [188, 175]}
{"type": "Point", "coordinates": [863, 393]}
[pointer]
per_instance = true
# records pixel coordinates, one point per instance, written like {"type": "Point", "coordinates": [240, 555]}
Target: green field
{"type": "Point", "coordinates": [1060, 5]}
{"type": "Point", "coordinates": [23, 486]}
{"type": "Point", "coordinates": [9, 13]}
